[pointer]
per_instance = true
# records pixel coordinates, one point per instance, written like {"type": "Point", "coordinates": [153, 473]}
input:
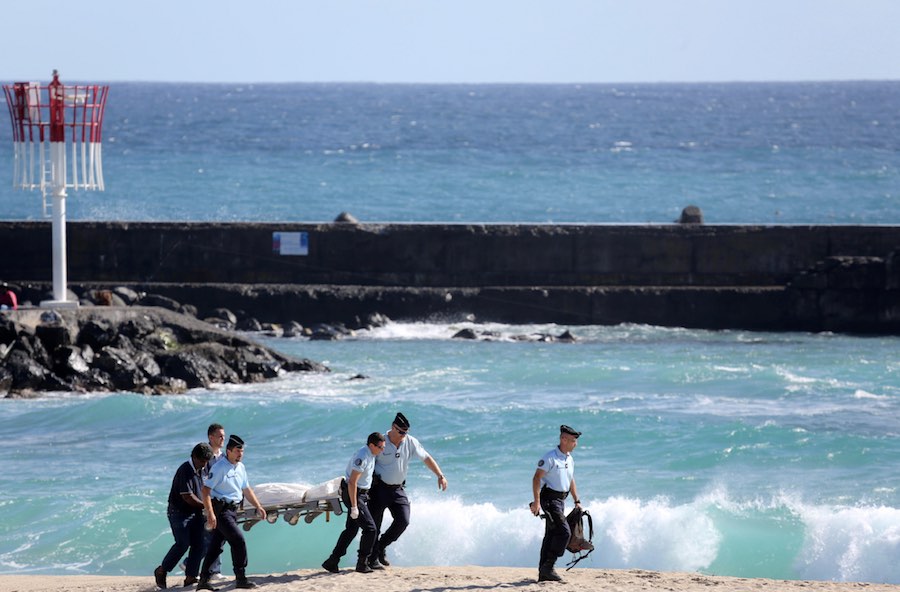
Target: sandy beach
{"type": "Point", "coordinates": [433, 579]}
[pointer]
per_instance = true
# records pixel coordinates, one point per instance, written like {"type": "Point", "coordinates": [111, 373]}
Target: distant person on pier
{"type": "Point", "coordinates": [8, 300]}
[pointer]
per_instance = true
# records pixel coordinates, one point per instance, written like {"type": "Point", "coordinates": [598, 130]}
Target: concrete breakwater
{"type": "Point", "coordinates": [838, 278]}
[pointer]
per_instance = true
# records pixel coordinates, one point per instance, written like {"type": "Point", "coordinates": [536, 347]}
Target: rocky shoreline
{"type": "Point", "coordinates": [142, 349]}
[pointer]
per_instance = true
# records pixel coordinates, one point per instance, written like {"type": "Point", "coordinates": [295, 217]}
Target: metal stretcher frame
{"type": "Point", "coordinates": [309, 505]}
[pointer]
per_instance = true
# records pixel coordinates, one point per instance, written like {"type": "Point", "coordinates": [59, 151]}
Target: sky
{"type": "Point", "coordinates": [445, 41]}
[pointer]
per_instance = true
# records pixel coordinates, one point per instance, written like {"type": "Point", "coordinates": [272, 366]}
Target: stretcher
{"type": "Point", "coordinates": [293, 501]}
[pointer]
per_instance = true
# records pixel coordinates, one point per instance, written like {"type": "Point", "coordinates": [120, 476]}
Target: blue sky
{"type": "Point", "coordinates": [452, 40]}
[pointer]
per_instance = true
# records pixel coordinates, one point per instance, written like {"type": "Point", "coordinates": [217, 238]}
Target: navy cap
{"type": "Point", "coordinates": [234, 441]}
{"type": "Point", "coordinates": [564, 429]}
{"type": "Point", "coordinates": [401, 422]}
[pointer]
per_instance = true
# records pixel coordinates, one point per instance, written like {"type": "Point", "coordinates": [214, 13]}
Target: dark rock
{"type": "Point", "coordinates": [25, 371]}
{"type": "Point", "coordinates": [97, 333]}
{"type": "Point", "coordinates": [32, 347]}
{"type": "Point", "coordinates": [223, 324]}
{"type": "Point", "coordinates": [293, 329]}
{"type": "Point", "coordinates": [346, 218]}
{"type": "Point", "coordinates": [273, 330]}
{"type": "Point", "coordinates": [188, 309]}
{"type": "Point", "coordinates": [248, 324]}
{"type": "Point", "coordinates": [160, 301]}
{"type": "Point", "coordinates": [137, 327]}
{"type": "Point", "coordinates": [167, 385]}
{"type": "Point", "coordinates": [120, 367]}
{"type": "Point", "coordinates": [68, 361]}
{"type": "Point", "coordinates": [224, 314]}
{"type": "Point", "coordinates": [127, 295]}
{"type": "Point", "coordinates": [9, 330]}
{"type": "Point", "coordinates": [104, 298]}
{"type": "Point", "coordinates": [6, 381]}
{"type": "Point", "coordinates": [53, 336]}
{"type": "Point", "coordinates": [465, 334]}
{"type": "Point", "coordinates": [566, 336]}
{"type": "Point", "coordinates": [358, 377]}
{"type": "Point", "coordinates": [691, 215]}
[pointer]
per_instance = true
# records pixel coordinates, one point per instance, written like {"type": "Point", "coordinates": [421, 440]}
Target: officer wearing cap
{"type": "Point", "coordinates": [185, 513]}
{"type": "Point", "coordinates": [355, 493]}
{"type": "Point", "coordinates": [553, 481]}
{"type": "Point", "coordinates": [388, 488]}
{"type": "Point", "coordinates": [224, 490]}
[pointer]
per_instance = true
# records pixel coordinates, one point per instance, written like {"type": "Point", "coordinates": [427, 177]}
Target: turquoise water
{"type": "Point", "coordinates": [747, 454]}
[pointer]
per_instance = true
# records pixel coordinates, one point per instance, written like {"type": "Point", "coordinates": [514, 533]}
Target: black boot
{"type": "Point", "coordinates": [546, 573]}
{"type": "Point", "coordinates": [381, 554]}
{"type": "Point", "coordinates": [204, 584]}
{"type": "Point", "coordinates": [362, 566]}
{"type": "Point", "coordinates": [331, 564]}
{"type": "Point", "coordinates": [159, 574]}
{"type": "Point", "coordinates": [374, 563]}
{"type": "Point", "coordinates": [241, 581]}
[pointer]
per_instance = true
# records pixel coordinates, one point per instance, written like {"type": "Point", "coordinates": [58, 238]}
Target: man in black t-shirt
{"type": "Point", "coordinates": [185, 514]}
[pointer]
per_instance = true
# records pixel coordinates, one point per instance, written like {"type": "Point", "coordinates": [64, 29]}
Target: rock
{"type": "Point", "coordinates": [9, 330]}
{"type": "Point", "coordinates": [120, 367]}
{"type": "Point", "coordinates": [53, 336]}
{"type": "Point", "coordinates": [127, 295]}
{"type": "Point", "coordinates": [691, 215]}
{"type": "Point", "coordinates": [465, 334]}
{"type": "Point", "coordinates": [566, 336]}
{"type": "Point", "coordinates": [248, 324]}
{"type": "Point", "coordinates": [26, 373]}
{"type": "Point", "coordinates": [188, 309]}
{"type": "Point", "coordinates": [160, 301]}
{"type": "Point", "coordinates": [145, 350]}
{"type": "Point", "coordinates": [68, 361]}
{"type": "Point", "coordinates": [97, 333]}
{"type": "Point", "coordinates": [346, 218]}
{"type": "Point", "coordinates": [225, 314]}
{"type": "Point", "coordinates": [293, 329]}
{"type": "Point", "coordinates": [104, 298]}
{"type": "Point", "coordinates": [6, 381]}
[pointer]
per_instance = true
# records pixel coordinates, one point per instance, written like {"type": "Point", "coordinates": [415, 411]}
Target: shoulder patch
{"type": "Point", "coordinates": [359, 462]}
{"type": "Point", "coordinates": [210, 475]}
{"type": "Point", "coordinates": [541, 463]}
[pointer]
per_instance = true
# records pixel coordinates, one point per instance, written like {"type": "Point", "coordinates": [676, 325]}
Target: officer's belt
{"type": "Point", "coordinates": [378, 481]}
{"type": "Point", "coordinates": [224, 504]}
{"type": "Point", "coordinates": [553, 494]}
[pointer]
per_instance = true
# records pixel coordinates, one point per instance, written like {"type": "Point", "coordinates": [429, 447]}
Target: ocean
{"type": "Point", "coordinates": [721, 452]}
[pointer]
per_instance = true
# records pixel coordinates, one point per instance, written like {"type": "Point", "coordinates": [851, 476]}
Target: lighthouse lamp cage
{"type": "Point", "coordinates": [57, 135]}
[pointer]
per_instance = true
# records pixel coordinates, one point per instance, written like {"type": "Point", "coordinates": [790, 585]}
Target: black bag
{"type": "Point", "coordinates": [578, 544]}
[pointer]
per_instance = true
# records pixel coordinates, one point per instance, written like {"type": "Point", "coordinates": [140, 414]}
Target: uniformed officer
{"type": "Point", "coordinates": [185, 513]}
{"type": "Point", "coordinates": [355, 493]}
{"type": "Point", "coordinates": [553, 481]}
{"type": "Point", "coordinates": [224, 491]}
{"type": "Point", "coordinates": [391, 467]}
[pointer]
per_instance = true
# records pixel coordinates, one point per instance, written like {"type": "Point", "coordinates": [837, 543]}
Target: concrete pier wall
{"type": "Point", "coordinates": [759, 277]}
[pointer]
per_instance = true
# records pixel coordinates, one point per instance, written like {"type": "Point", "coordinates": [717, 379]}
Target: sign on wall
{"type": "Point", "coordinates": [290, 243]}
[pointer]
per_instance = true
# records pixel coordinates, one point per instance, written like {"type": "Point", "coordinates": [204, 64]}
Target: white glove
{"type": "Point", "coordinates": [354, 512]}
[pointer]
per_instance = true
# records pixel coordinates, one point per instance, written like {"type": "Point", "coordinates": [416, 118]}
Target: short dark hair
{"type": "Point", "coordinates": [202, 451]}
{"type": "Point", "coordinates": [214, 427]}
{"type": "Point", "coordinates": [375, 438]}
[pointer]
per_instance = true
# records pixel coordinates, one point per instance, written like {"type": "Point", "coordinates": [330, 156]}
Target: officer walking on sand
{"type": "Point", "coordinates": [224, 491]}
{"type": "Point", "coordinates": [355, 493]}
{"type": "Point", "coordinates": [388, 486]}
{"type": "Point", "coordinates": [553, 480]}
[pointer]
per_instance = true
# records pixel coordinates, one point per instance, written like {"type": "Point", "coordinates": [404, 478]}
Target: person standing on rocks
{"type": "Point", "coordinates": [224, 491]}
{"type": "Point", "coordinates": [185, 513]}
{"type": "Point", "coordinates": [355, 493]}
{"type": "Point", "coordinates": [389, 483]}
{"type": "Point", "coordinates": [552, 483]}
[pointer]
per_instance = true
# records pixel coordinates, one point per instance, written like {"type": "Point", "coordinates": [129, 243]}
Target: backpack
{"type": "Point", "coordinates": [578, 545]}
